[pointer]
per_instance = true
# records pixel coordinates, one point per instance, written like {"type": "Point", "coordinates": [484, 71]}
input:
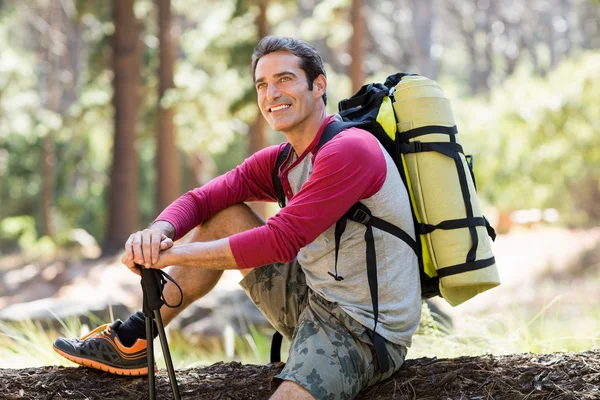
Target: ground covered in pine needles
{"type": "Point", "coordinates": [574, 376]}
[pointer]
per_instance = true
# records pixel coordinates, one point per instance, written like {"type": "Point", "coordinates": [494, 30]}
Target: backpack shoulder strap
{"type": "Point", "coordinates": [332, 129]}
{"type": "Point", "coordinates": [275, 175]}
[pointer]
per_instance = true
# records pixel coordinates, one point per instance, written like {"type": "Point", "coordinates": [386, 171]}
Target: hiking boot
{"type": "Point", "coordinates": [101, 349]}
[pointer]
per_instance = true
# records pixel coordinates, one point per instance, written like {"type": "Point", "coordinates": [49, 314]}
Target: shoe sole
{"type": "Point", "coordinates": [103, 367]}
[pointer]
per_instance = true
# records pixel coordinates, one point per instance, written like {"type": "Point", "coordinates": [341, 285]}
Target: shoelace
{"type": "Point", "coordinates": [104, 328]}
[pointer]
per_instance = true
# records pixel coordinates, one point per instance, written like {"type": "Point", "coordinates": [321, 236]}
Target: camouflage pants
{"type": "Point", "coordinates": [331, 355]}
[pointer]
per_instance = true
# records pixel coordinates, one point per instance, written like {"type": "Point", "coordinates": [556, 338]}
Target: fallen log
{"type": "Point", "coordinates": [560, 376]}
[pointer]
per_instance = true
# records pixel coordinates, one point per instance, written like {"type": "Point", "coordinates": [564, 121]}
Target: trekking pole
{"type": "Point", "coordinates": [152, 285]}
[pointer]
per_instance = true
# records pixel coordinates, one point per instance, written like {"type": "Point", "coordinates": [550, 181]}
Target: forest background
{"type": "Point", "coordinates": [109, 110]}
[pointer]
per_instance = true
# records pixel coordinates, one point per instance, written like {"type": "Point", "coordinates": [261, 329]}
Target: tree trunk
{"type": "Point", "coordinates": [168, 164]}
{"type": "Point", "coordinates": [423, 18]}
{"type": "Point", "coordinates": [122, 196]}
{"type": "Point", "coordinates": [357, 74]}
{"type": "Point", "coordinates": [52, 103]}
{"type": "Point", "coordinates": [257, 138]}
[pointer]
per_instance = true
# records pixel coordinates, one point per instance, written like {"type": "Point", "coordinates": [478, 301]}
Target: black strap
{"type": "Point", "coordinates": [276, 347]}
{"type": "Point", "coordinates": [491, 232]}
{"type": "Point", "coordinates": [361, 214]}
{"type": "Point", "coordinates": [275, 175]}
{"type": "Point", "coordinates": [453, 224]}
{"type": "Point", "coordinates": [399, 233]}
{"type": "Point", "coordinates": [340, 227]}
{"type": "Point", "coordinates": [451, 150]}
{"type": "Point", "coordinates": [469, 159]}
{"type": "Point", "coordinates": [332, 129]}
{"type": "Point", "coordinates": [428, 130]}
{"type": "Point", "coordinates": [465, 267]}
{"type": "Point", "coordinates": [378, 341]}
{"type": "Point", "coordinates": [446, 148]}
{"type": "Point", "coordinates": [153, 284]}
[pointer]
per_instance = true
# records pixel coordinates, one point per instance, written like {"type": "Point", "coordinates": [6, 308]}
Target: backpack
{"type": "Point", "coordinates": [413, 120]}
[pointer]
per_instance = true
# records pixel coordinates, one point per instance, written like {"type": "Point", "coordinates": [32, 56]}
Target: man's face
{"type": "Point", "coordinates": [283, 95]}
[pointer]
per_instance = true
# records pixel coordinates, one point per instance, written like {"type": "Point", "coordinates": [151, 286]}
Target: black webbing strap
{"type": "Point", "coordinates": [466, 267]}
{"type": "Point", "coordinates": [451, 150]}
{"type": "Point", "coordinates": [340, 227]}
{"type": "Point", "coordinates": [332, 129]}
{"type": "Point", "coordinates": [275, 175]}
{"type": "Point", "coordinates": [462, 178]}
{"type": "Point", "coordinates": [453, 224]}
{"type": "Point", "coordinates": [276, 347]}
{"type": "Point", "coordinates": [394, 230]}
{"type": "Point", "coordinates": [378, 341]}
{"type": "Point", "coordinates": [491, 232]}
{"type": "Point", "coordinates": [448, 149]}
{"type": "Point", "coordinates": [428, 130]}
{"type": "Point", "coordinates": [361, 214]}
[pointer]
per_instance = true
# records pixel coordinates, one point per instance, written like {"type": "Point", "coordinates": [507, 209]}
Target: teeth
{"type": "Point", "coordinates": [281, 107]}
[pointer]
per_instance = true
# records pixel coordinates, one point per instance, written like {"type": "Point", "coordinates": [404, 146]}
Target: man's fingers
{"type": "Point", "coordinates": [147, 247]}
{"type": "Point", "coordinates": [166, 243]}
{"type": "Point", "coordinates": [131, 265]}
{"type": "Point", "coordinates": [144, 247]}
{"type": "Point", "coordinates": [155, 247]}
{"type": "Point", "coordinates": [128, 249]}
{"type": "Point", "coordinates": [136, 246]}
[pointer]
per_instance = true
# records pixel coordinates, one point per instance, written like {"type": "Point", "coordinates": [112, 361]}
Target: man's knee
{"type": "Point", "coordinates": [229, 221]}
{"type": "Point", "coordinates": [291, 390]}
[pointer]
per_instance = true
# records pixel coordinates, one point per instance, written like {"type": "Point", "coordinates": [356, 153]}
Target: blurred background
{"type": "Point", "coordinates": [109, 110]}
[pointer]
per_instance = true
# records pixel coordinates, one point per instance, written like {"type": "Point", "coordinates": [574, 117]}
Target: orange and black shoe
{"type": "Point", "coordinates": [101, 349]}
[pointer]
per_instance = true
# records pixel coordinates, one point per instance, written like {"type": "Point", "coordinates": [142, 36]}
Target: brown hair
{"type": "Point", "coordinates": [310, 59]}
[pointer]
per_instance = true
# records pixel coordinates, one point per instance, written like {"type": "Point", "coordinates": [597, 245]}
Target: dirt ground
{"type": "Point", "coordinates": [558, 376]}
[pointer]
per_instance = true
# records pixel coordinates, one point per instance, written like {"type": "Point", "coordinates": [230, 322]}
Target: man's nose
{"type": "Point", "coordinates": [273, 92]}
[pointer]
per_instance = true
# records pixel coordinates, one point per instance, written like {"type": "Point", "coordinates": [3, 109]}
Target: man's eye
{"type": "Point", "coordinates": [285, 78]}
{"type": "Point", "coordinates": [261, 86]}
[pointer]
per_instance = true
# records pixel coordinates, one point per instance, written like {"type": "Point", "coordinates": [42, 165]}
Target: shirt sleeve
{"type": "Point", "coordinates": [347, 169]}
{"type": "Point", "coordinates": [250, 181]}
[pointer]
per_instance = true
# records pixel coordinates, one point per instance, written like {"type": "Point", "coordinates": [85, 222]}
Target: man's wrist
{"type": "Point", "coordinates": [166, 227]}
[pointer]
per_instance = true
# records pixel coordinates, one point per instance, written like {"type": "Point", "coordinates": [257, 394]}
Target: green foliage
{"type": "Point", "coordinates": [21, 230]}
{"type": "Point", "coordinates": [537, 141]}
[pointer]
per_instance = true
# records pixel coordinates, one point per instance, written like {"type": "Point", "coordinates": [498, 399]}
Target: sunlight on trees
{"type": "Point", "coordinates": [522, 77]}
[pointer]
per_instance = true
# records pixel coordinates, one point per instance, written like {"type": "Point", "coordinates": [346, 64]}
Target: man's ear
{"type": "Point", "coordinates": [320, 85]}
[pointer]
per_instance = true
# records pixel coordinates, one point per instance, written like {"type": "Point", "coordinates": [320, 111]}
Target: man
{"type": "Point", "coordinates": [287, 262]}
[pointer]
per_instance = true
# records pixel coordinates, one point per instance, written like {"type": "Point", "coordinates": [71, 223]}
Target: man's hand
{"type": "Point", "coordinates": [144, 248]}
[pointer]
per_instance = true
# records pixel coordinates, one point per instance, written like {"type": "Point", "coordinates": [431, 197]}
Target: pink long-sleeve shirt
{"type": "Point", "coordinates": [337, 182]}
{"type": "Point", "coordinates": [320, 188]}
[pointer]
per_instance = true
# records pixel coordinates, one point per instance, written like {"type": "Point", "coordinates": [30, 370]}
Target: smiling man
{"type": "Point", "coordinates": [287, 262]}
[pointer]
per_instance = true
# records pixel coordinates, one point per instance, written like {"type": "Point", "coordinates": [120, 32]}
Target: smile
{"type": "Point", "coordinates": [280, 107]}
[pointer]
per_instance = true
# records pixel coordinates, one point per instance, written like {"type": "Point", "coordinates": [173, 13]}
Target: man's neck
{"type": "Point", "coordinates": [304, 134]}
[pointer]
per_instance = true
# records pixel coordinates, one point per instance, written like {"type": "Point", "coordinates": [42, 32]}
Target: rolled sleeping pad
{"type": "Point", "coordinates": [435, 189]}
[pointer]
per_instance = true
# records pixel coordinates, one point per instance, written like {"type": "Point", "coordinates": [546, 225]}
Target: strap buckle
{"type": "Point", "coordinates": [417, 146]}
{"type": "Point", "coordinates": [361, 216]}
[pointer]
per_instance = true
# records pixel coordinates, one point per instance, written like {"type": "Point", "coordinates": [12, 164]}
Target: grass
{"type": "Point", "coordinates": [29, 344]}
{"type": "Point", "coordinates": [554, 328]}
{"type": "Point", "coordinates": [550, 329]}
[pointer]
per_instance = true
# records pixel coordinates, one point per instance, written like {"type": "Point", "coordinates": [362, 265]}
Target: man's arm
{"type": "Point", "coordinates": [210, 255]}
{"type": "Point", "coordinates": [347, 169]}
{"type": "Point", "coordinates": [249, 181]}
